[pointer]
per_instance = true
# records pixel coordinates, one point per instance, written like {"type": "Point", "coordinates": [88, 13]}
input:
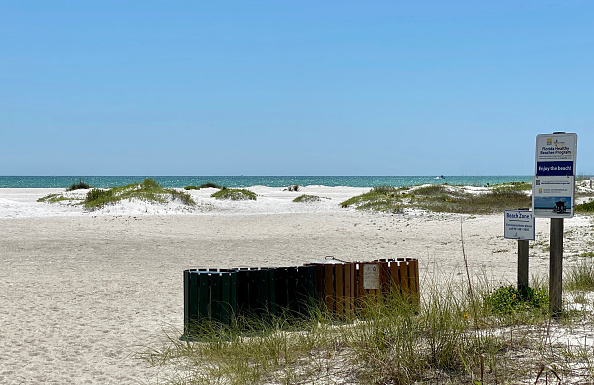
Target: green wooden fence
{"type": "Point", "coordinates": [227, 296]}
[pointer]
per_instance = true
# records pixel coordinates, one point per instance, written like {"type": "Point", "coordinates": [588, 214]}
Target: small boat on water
{"type": "Point", "coordinates": [440, 177]}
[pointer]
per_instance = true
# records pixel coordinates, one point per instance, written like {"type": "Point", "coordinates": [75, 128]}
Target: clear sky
{"type": "Point", "coordinates": [283, 87]}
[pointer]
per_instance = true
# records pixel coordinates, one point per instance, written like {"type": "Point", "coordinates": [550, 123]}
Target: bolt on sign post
{"type": "Point", "coordinates": [519, 224]}
{"type": "Point", "coordinates": [553, 193]}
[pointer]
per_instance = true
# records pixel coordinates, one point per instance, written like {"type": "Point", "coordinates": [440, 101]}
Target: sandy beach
{"type": "Point", "coordinates": [81, 293]}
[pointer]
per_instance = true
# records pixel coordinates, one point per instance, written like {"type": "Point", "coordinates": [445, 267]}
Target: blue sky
{"type": "Point", "coordinates": [292, 87]}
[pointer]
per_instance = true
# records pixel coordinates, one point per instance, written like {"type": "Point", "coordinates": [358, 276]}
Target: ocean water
{"type": "Point", "coordinates": [247, 181]}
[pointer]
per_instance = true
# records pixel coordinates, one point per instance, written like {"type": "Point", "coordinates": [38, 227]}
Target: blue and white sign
{"type": "Point", "coordinates": [555, 154]}
{"type": "Point", "coordinates": [519, 224]}
{"type": "Point", "coordinates": [553, 185]}
{"type": "Point", "coordinates": [553, 196]}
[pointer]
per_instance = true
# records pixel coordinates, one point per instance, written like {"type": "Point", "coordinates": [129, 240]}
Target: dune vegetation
{"type": "Point", "coordinates": [457, 334]}
{"type": "Point", "coordinates": [307, 199]}
{"type": "Point", "coordinates": [204, 185]}
{"type": "Point", "coordinates": [586, 207]}
{"type": "Point", "coordinates": [234, 194]}
{"type": "Point", "coordinates": [80, 185]}
{"type": "Point", "coordinates": [443, 198]}
{"type": "Point", "coordinates": [148, 191]}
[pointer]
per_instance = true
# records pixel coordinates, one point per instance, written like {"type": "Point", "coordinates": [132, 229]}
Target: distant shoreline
{"type": "Point", "coordinates": [248, 181]}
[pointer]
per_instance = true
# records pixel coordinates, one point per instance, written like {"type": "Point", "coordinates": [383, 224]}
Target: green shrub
{"type": "Point", "coordinates": [211, 185]}
{"type": "Point", "coordinates": [307, 198]}
{"type": "Point", "coordinates": [181, 196]}
{"type": "Point", "coordinates": [97, 198]}
{"type": "Point", "coordinates": [234, 194]}
{"type": "Point", "coordinates": [78, 186]}
{"type": "Point", "coordinates": [509, 300]}
{"type": "Point", "coordinates": [205, 185]}
{"type": "Point", "coordinates": [586, 207]}
{"type": "Point", "coordinates": [150, 184]}
{"type": "Point", "coordinates": [293, 188]}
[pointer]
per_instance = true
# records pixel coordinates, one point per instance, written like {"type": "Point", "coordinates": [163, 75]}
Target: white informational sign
{"type": "Point", "coordinates": [519, 224]}
{"type": "Point", "coordinates": [553, 196]}
{"type": "Point", "coordinates": [555, 154]}
{"type": "Point", "coordinates": [371, 277]}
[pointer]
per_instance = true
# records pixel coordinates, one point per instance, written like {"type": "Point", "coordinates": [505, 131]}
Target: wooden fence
{"type": "Point", "coordinates": [227, 295]}
{"type": "Point", "coordinates": [342, 287]}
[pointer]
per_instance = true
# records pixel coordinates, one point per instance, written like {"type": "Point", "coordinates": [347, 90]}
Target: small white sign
{"type": "Point", "coordinates": [519, 224]}
{"type": "Point", "coordinates": [371, 277]}
{"type": "Point", "coordinates": [553, 196]}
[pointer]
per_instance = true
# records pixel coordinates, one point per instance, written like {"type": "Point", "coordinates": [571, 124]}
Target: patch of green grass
{"type": "Point", "coordinates": [97, 198]}
{"type": "Point", "coordinates": [439, 340]}
{"type": "Point", "coordinates": [586, 207]}
{"type": "Point", "coordinates": [191, 188]}
{"type": "Point", "coordinates": [234, 194]}
{"type": "Point", "coordinates": [270, 351]}
{"type": "Point", "coordinates": [380, 198]}
{"type": "Point", "coordinates": [54, 198]}
{"type": "Point", "coordinates": [580, 276]}
{"type": "Point", "coordinates": [436, 190]}
{"type": "Point", "coordinates": [80, 185]}
{"type": "Point", "coordinates": [307, 198]}
{"type": "Point", "coordinates": [149, 191]}
{"type": "Point", "coordinates": [514, 186]}
{"type": "Point", "coordinates": [441, 198]}
{"type": "Point", "coordinates": [587, 254]}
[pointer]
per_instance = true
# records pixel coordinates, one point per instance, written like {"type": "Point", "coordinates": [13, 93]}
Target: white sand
{"type": "Point", "coordinates": [82, 292]}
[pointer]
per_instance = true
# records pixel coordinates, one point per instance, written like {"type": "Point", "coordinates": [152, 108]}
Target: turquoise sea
{"type": "Point", "coordinates": [247, 181]}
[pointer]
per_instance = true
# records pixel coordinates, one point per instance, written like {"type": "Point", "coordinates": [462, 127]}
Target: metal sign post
{"type": "Point", "coordinates": [553, 192]}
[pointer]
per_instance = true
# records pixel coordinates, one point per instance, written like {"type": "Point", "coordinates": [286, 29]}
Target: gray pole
{"type": "Point", "coordinates": [556, 267]}
{"type": "Point", "coordinates": [523, 248]}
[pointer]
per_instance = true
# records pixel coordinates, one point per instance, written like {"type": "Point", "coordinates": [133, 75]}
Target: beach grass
{"type": "Point", "coordinates": [148, 191]}
{"type": "Point", "coordinates": [307, 199]}
{"type": "Point", "coordinates": [515, 186]}
{"type": "Point", "coordinates": [55, 198]}
{"type": "Point", "coordinates": [586, 207]}
{"type": "Point", "coordinates": [498, 336]}
{"type": "Point", "coordinates": [443, 198]}
{"type": "Point", "coordinates": [234, 194]}
{"type": "Point", "coordinates": [380, 198]}
{"type": "Point", "coordinates": [581, 276]}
